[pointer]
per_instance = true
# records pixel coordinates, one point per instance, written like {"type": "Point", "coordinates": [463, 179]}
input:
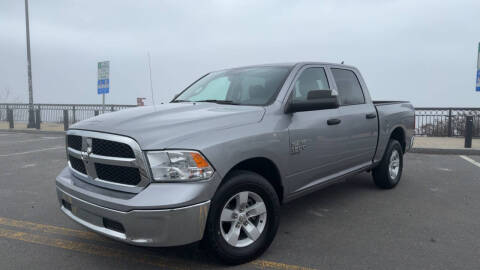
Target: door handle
{"type": "Point", "coordinates": [371, 115]}
{"type": "Point", "coordinates": [333, 121]}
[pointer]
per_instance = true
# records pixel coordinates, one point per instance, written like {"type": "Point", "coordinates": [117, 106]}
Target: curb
{"type": "Point", "coordinates": [439, 151]}
{"type": "Point", "coordinates": [33, 131]}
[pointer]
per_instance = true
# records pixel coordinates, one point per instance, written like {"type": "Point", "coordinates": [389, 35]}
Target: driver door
{"type": "Point", "coordinates": [318, 140]}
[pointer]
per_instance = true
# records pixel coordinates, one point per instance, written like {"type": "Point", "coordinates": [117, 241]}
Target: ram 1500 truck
{"type": "Point", "coordinates": [216, 163]}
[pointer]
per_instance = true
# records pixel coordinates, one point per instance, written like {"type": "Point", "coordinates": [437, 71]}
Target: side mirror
{"type": "Point", "coordinates": [316, 100]}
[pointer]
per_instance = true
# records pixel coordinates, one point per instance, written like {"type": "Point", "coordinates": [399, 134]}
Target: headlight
{"type": "Point", "coordinates": [179, 166]}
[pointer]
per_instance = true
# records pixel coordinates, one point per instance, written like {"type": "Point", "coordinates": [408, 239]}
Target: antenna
{"type": "Point", "coordinates": [150, 71]}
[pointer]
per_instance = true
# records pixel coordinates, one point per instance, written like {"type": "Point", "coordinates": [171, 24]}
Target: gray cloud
{"type": "Point", "coordinates": [423, 51]}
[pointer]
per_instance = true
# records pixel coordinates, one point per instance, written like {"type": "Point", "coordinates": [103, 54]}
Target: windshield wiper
{"type": "Point", "coordinates": [218, 101]}
{"type": "Point", "coordinates": [179, 100]}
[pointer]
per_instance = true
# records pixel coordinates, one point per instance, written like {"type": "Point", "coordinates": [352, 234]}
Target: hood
{"type": "Point", "coordinates": [158, 127]}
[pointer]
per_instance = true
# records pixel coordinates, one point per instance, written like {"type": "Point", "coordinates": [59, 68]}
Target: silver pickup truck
{"type": "Point", "coordinates": [216, 163]}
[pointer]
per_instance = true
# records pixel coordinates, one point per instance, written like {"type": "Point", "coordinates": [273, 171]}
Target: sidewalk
{"type": "Point", "coordinates": [445, 145]}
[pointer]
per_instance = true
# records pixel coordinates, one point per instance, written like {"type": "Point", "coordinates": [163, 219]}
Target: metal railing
{"type": "Point", "coordinates": [445, 122]}
{"type": "Point", "coordinates": [435, 122]}
{"type": "Point", "coordinates": [55, 113]}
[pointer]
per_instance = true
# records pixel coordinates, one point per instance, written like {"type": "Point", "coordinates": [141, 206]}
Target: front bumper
{"type": "Point", "coordinates": [165, 227]}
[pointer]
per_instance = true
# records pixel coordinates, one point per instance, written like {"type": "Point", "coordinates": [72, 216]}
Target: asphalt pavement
{"type": "Point", "coordinates": [431, 220]}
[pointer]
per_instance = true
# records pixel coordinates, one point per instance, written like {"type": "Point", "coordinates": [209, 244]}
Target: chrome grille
{"type": "Point", "coordinates": [74, 142]}
{"type": "Point", "coordinates": [119, 174]}
{"type": "Point", "coordinates": [107, 160]}
{"type": "Point", "coordinates": [112, 149]}
{"type": "Point", "coordinates": [77, 164]}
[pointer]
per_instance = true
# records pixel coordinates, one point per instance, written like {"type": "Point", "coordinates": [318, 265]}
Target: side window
{"type": "Point", "coordinates": [349, 89]}
{"type": "Point", "coordinates": [310, 79]}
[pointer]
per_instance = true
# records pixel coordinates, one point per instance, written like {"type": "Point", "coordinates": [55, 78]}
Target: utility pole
{"type": "Point", "coordinates": [31, 118]}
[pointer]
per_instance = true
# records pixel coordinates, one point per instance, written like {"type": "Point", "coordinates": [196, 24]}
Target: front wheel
{"type": "Point", "coordinates": [243, 218]}
{"type": "Point", "coordinates": [388, 173]}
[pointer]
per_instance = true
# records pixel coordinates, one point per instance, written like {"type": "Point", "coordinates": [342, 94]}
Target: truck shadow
{"type": "Point", "coordinates": [302, 212]}
{"type": "Point", "coordinates": [333, 198]}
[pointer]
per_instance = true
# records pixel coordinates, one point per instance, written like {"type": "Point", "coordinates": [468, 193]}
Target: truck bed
{"type": "Point", "coordinates": [387, 102]}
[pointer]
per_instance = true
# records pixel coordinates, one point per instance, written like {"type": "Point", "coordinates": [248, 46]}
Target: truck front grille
{"type": "Point", "coordinates": [74, 142]}
{"type": "Point", "coordinates": [112, 149]}
{"type": "Point", "coordinates": [119, 174]}
{"type": "Point", "coordinates": [77, 164]}
{"type": "Point", "coordinates": [107, 160]}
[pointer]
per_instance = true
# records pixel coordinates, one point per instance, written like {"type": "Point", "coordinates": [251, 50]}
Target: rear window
{"type": "Point", "coordinates": [349, 89]}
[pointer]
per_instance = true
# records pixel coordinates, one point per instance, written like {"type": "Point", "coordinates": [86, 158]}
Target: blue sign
{"type": "Point", "coordinates": [103, 86]}
{"type": "Point", "coordinates": [103, 81]}
{"type": "Point", "coordinates": [478, 80]}
{"type": "Point", "coordinates": [478, 69]}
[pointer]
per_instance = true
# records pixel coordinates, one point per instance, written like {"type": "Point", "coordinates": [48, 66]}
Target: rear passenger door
{"type": "Point", "coordinates": [358, 115]}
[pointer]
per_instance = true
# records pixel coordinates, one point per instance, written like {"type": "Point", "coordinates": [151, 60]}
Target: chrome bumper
{"type": "Point", "coordinates": [165, 227]}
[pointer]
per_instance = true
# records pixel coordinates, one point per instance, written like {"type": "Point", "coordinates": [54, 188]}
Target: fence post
{"type": "Point", "coordinates": [31, 114]}
{"type": "Point", "coordinates": [10, 117]}
{"type": "Point", "coordinates": [73, 113]}
{"type": "Point", "coordinates": [95, 112]}
{"type": "Point", "coordinates": [65, 120]}
{"type": "Point", "coordinates": [111, 108]}
{"type": "Point", "coordinates": [468, 131]}
{"type": "Point", "coordinates": [37, 119]}
{"type": "Point", "coordinates": [449, 122]}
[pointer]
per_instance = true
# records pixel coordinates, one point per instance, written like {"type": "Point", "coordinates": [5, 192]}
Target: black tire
{"type": "Point", "coordinates": [381, 174]}
{"type": "Point", "coordinates": [237, 182]}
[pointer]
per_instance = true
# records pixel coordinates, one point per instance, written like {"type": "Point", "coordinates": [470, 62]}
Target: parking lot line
{"type": "Point", "coordinates": [88, 248]}
{"type": "Point", "coordinates": [33, 151]}
{"type": "Point", "coordinates": [471, 161]}
{"type": "Point", "coordinates": [34, 140]}
{"type": "Point", "coordinates": [103, 251]}
{"type": "Point", "coordinates": [50, 229]}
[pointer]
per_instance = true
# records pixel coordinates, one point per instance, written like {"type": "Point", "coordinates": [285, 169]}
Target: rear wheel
{"type": "Point", "coordinates": [388, 173]}
{"type": "Point", "coordinates": [243, 218]}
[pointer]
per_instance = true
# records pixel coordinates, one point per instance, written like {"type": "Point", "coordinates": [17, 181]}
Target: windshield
{"type": "Point", "coordinates": [245, 86]}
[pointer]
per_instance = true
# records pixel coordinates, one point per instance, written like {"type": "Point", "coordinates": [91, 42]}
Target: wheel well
{"type": "Point", "coordinates": [399, 135]}
{"type": "Point", "coordinates": [264, 167]}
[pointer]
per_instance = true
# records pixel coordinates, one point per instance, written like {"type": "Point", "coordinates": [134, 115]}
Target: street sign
{"type": "Point", "coordinates": [103, 82]}
{"type": "Point", "coordinates": [478, 69]}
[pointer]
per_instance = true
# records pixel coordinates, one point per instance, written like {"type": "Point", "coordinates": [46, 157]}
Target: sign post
{"type": "Point", "coordinates": [103, 81]}
{"type": "Point", "coordinates": [478, 69]}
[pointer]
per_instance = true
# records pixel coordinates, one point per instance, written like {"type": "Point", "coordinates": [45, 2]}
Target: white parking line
{"type": "Point", "coordinates": [471, 161]}
{"type": "Point", "coordinates": [33, 151]}
{"type": "Point", "coordinates": [35, 140]}
{"type": "Point", "coordinates": [14, 133]}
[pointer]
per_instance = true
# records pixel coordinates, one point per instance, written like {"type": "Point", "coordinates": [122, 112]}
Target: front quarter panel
{"type": "Point", "coordinates": [228, 147]}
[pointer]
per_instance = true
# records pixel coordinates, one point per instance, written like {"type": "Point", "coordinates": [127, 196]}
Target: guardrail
{"type": "Point", "coordinates": [445, 122]}
{"type": "Point", "coordinates": [431, 121]}
{"type": "Point", "coordinates": [65, 114]}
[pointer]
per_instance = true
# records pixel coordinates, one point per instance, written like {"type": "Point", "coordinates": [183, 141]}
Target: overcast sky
{"type": "Point", "coordinates": [423, 51]}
